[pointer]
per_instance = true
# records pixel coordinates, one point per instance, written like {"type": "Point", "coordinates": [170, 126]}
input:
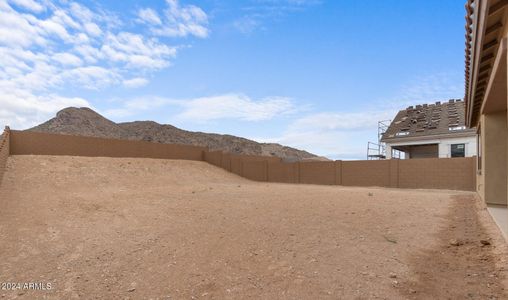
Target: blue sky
{"type": "Point", "coordinates": [312, 74]}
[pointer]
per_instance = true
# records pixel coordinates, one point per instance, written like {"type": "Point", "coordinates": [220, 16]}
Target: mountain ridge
{"type": "Point", "coordinates": [86, 122]}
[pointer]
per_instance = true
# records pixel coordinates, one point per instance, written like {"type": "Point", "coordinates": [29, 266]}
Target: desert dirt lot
{"type": "Point", "coordinates": [169, 229]}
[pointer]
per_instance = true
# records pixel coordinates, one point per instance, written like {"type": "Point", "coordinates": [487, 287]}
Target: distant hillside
{"type": "Point", "coordinates": [86, 122]}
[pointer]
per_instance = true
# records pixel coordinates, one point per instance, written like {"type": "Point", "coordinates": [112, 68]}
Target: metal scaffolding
{"type": "Point", "coordinates": [378, 150]}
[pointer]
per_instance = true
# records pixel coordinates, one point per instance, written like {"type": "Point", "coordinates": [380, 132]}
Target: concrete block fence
{"type": "Point", "coordinates": [429, 173]}
{"type": "Point", "coordinates": [4, 150]}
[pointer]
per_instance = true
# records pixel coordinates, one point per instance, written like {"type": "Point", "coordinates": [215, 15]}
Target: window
{"type": "Point", "coordinates": [458, 150]}
{"type": "Point", "coordinates": [456, 128]}
{"type": "Point", "coordinates": [402, 133]}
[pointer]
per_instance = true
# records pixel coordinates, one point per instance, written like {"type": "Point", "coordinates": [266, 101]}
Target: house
{"type": "Point", "coordinates": [430, 130]}
{"type": "Point", "coordinates": [486, 99]}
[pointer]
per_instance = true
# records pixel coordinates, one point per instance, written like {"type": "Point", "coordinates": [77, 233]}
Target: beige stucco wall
{"type": "Point", "coordinates": [480, 161]}
{"type": "Point", "coordinates": [493, 178]}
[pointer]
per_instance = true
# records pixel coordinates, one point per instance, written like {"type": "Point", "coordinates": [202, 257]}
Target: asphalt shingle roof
{"type": "Point", "coordinates": [428, 120]}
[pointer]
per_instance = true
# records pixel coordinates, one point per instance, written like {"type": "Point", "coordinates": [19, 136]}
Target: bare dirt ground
{"type": "Point", "coordinates": [162, 229]}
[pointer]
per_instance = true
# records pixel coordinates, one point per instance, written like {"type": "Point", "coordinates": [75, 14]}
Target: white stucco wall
{"type": "Point", "coordinates": [444, 145]}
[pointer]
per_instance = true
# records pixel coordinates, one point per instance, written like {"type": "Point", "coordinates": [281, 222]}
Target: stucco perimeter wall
{"type": "Point", "coordinates": [367, 173]}
{"type": "Point", "coordinates": [25, 142]}
{"type": "Point", "coordinates": [283, 172]}
{"type": "Point", "coordinates": [4, 151]}
{"type": "Point", "coordinates": [426, 173]}
{"type": "Point", "coordinates": [431, 173]}
{"type": "Point", "coordinates": [438, 173]}
{"type": "Point", "coordinates": [255, 170]}
{"type": "Point", "coordinates": [317, 172]}
{"type": "Point", "coordinates": [213, 157]}
{"type": "Point", "coordinates": [226, 161]}
{"type": "Point", "coordinates": [236, 164]}
{"type": "Point", "coordinates": [251, 166]}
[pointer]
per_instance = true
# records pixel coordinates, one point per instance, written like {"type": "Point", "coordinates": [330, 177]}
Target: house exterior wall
{"type": "Point", "coordinates": [444, 145]}
{"type": "Point", "coordinates": [492, 161]}
{"type": "Point", "coordinates": [492, 180]}
{"type": "Point", "coordinates": [486, 97]}
{"type": "Point", "coordinates": [424, 151]}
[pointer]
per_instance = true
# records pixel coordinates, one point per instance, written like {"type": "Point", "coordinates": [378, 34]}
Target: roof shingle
{"type": "Point", "coordinates": [428, 120]}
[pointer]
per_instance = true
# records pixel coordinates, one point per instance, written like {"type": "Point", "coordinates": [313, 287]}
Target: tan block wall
{"type": "Point", "coordinates": [236, 164]}
{"type": "Point", "coordinates": [283, 172]}
{"type": "Point", "coordinates": [24, 142]}
{"type": "Point", "coordinates": [317, 172]}
{"type": "Point", "coordinates": [366, 173]}
{"type": "Point", "coordinates": [226, 161]}
{"type": "Point", "coordinates": [255, 170]}
{"type": "Point", "coordinates": [438, 173]}
{"type": "Point", "coordinates": [432, 173]}
{"type": "Point", "coordinates": [213, 157]}
{"type": "Point", "coordinates": [394, 172]}
{"type": "Point", "coordinates": [4, 151]}
{"type": "Point", "coordinates": [338, 172]}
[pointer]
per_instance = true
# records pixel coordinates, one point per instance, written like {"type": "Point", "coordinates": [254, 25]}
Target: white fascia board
{"type": "Point", "coordinates": [462, 139]}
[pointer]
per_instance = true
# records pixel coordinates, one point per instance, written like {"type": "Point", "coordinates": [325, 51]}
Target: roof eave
{"type": "Point", "coordinates": [467, 133]}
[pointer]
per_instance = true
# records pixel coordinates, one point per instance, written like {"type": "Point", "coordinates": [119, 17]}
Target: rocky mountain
{"type": "Point", "coordinates": [86, 122]}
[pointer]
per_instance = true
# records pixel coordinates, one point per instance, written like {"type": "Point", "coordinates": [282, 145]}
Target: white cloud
{"type": "Point", "coordinates": [71, 45]}
{"type": "Point", "coordinates": [93, 29]}
{"type": "Point", "coordinates": [29, 4]}
{"type": "Point", "coordinates": [204, 109]}
{"type": "Point", "coordinates": [344, 135]}
{"type": "Point", "coordinates": [427, 88]}
{"type": "Point", "coordinates": [91, 77]}
{"type": "Point", "coordinates": [335, 135]}
{"type": "Point", "coordinates": [150, 16]}
{"type": "Point", "coordinates": [177, 20]}
{"type": "Point", "coordinates": [67, 59]}
{"type": "Point", "coordinates": [247, 24]}
{"type": "Point", "coordinates": [330, 144]}
{"type": "Point", "coordinates": [135, 106]}
{"type": "Point", "coordinates": [77, 45]}
{"type": "Point", "coordinates": [135, 82]}
{"type": "Point", "coordinates": [21, 109]}
{"type": "Point", "coordinates": [329, 121]}
{"type": "Point", "coordinates": [81, 12]}
{"type": "Point", "coordinates": [260, 12]}
{"type": "Point", "coordinates": [234, 106]}
{"type": "Point", "coordinates": [136, 51]}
